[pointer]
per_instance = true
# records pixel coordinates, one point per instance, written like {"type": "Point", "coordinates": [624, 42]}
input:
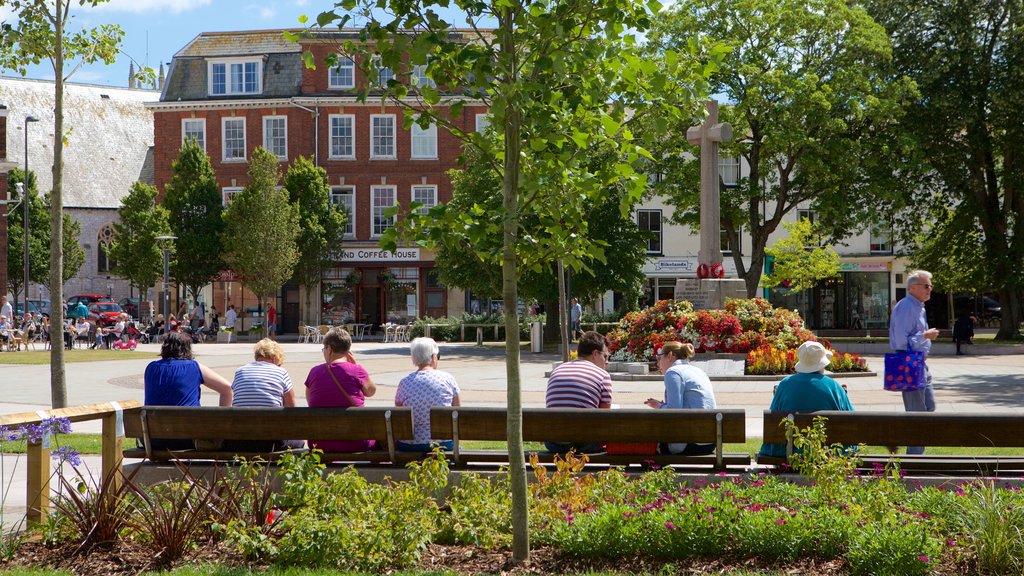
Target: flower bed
{"type": "Point", "coordinates": [769, 336]}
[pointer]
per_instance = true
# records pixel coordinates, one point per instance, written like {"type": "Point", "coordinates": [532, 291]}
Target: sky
{"type": "Point", "coordinates": [154, 30]}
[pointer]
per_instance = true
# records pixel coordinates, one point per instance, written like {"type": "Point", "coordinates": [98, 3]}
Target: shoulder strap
{"type": "Point", "coordinates": [327, 365]}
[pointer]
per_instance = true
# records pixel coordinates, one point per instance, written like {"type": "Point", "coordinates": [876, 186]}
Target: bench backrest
{"type": "Point", "coordinates": [906, 428]}
{"type": "Point", "coordinates": [227, 423]}
{"type": "Point", "coordinates": [576, 425]}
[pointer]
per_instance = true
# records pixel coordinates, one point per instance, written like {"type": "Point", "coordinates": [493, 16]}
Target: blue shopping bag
{"type": "Point", "coordinates": [904, 371]}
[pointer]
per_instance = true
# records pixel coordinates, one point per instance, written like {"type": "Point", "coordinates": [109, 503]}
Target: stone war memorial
{"type": "Point", "coordinates": [710, 289]}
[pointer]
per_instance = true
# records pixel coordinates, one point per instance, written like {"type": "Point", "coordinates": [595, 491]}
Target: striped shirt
{"type": "Point", "coordinates": [578, 384]}
{"type": "Point", "coordinates": [260, 384]}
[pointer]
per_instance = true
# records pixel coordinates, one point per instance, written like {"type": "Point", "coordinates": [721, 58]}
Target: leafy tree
{"type": "Point", "coordinates": [135, 249]}
{"type": "Point", "coordinates": [39, 235]}
{"type": "Point", "coordinates": [558, 78]}
{"type": "Point", "coordinates": [194, 206]}
{"type": "Point", "coordinates": [813, 104]}
{"type": "Point", "coordinates": [261, 228]}
{"type": "Point", "coordinates": [39, 240]}
{"type": "Point", "coordinates": [967, 59]}
{"type": "Point", "coordinates": [321, 227]}
{"type": "Point", "coordinates": [800, 258]}
{"type": "Point", "coordinates": [41, 33]}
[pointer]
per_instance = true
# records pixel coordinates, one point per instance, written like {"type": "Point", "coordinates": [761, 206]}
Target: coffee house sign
{"type": "Point", "coordinates": [379, 255]}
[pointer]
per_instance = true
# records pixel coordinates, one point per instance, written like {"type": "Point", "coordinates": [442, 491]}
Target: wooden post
{"type": "Point", "coordinates": [37, 491]}
{"type": "Point", "coordinates": [112, 447]}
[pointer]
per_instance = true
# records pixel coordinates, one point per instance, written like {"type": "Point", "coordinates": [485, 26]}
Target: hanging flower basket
{"type": "Point", "coordinates": [387, 278]}
{"type": "Point", "coordinates": [353, 278]}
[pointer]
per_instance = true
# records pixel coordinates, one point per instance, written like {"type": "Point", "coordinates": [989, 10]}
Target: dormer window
{"type": "Point", "coordinates": [342, 76]}
{"type": "Point", "coordinates": [235, 77]}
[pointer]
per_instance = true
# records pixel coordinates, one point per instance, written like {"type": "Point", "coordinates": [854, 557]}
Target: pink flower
{"type": "Point", "coordinates": [923, 558]}
{"type": "Point", "coordinates": [670, 526]}
{"type": "Point", "coordinates": [780, 521]}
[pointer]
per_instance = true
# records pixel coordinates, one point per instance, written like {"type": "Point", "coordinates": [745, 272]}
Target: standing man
{"type": "Point", "coordinates": [575, 313]}
{"type": "Point", "coordinates": [229, 318]}
{"type": "Point", "coordinates": [582, 383]}
{"type": "Point", "coordinates": [81, 310]}
{"type": "Point", "coordinates": [908, 330]}
{"type": "Point", "coordinates": [6, 310]}
{"type": "Point", "coordinates": [271, 320]}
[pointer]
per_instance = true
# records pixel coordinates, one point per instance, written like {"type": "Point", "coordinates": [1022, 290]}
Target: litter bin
{"type": "Point", "coordinates": [536, 337]}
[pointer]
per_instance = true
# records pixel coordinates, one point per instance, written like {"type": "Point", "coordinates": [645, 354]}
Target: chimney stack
{"type": "Point", "coordinates": [131, 74]}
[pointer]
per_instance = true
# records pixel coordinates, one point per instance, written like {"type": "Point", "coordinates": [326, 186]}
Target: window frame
{"type": "Point", "coordinates": [266, 145]}
{"type": "Point", "coordinates": [337, 192]}
{"type": "Point", "coordinates": [482, 119]}
{"type": "Point", "coordinates": [660, 232]}
{"type": "Point", "coordinates": [879, 247]}
{"type": "Point", "coordinates": [229, 192]}
{"type": "Point", "coordinates": [343, 62]}
{"type": "Point", "coordinates": [418, 78]}
{"type": "Point", "coordinates": [419, 134]}
{"type": "Point", "coordinates": [351, 137]}
{"type": "Point", "coordinates": [375, 190]}
{"type": "Point", "coordinates": [729, 162]}
{"type": "Point", "coordinates": [378, 63]}
{"type": "Point", "coordinates": [224, 139]}
{"type": "Point", "coordinates": [419, 188]}
{"type": "Point", "coordinates": [373, 137]}
{"type": "Point", "coordinates": [184, 135]}
{"type": "Point", "coordinates": [723, 239]}
{"type": "Point", "coordinates": [227, 63]}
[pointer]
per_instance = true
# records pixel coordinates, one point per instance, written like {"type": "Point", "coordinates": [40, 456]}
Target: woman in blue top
{"type": "Point", "coordinates": [685, 387]}
{"type": "Point", "coordinates": [809, 390]}
{"type": "Point", "coordinates": [174, 380]}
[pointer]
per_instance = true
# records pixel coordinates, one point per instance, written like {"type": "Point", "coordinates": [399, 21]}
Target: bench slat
{"type": "Point", "coordinates": [580, 425]}
{"type": "Point", "coordinates": [907, 428]}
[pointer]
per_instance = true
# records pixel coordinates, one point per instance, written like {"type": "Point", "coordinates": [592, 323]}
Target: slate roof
{"type": "Point", "coordinates": [110, 133]}
{"type": "Point", "coordinates": [187, 79]}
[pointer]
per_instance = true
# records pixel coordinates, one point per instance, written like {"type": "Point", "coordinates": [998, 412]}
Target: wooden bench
{"type": "Point", "coordinates": [219, 423]}
{"type": "Point", "coordinates": [927, 429]}
{"type": "Point", "coordinates": [624, 427]}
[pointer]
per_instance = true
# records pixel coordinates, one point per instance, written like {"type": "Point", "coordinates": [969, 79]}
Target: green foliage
{"type": "Point", "coordinates": [828, 465]}
{"type": "Point", "coordinates": [321, 224]}
{"type": "Point", "coordinates": [478, 512]}
{"type": "Point", "coordinates": [261, 228]}
{"type": "Point", "coordinates": [991, 521]}
{"type": "Point", "coordinates": [193, 202]}
{"type": "Point", "coordinates": [814, 107]}
{"type": "Point", "coordinates": [800, 258]}
{"type": "Point", "coordinates": [135, 250]}
{"type": "Point", "coordinates": [39, 238]}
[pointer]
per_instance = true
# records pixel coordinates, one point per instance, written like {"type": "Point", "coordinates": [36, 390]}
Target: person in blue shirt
{"type": "Point", "coordinates": [686, 386]}
{"type": "Point", "coordinates": [809, 390]}
{"type": "Point", "coordinates": [908, 330]}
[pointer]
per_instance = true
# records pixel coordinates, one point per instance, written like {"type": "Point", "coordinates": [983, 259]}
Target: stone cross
{"type": "Point", "coordinates": [707, 136]}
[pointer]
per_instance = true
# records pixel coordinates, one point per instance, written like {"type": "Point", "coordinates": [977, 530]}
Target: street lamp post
{"type": "Point", "coordinates": [24, 201]}
{"type": "Point", "coordinates": [166, 242]}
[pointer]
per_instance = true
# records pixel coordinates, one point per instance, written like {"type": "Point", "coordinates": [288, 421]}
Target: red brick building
{"type": "Point", "coordinates": [234, 91]}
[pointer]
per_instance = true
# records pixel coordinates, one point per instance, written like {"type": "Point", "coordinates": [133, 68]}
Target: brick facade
{"type": "Point", "coordinates": [308, 110]}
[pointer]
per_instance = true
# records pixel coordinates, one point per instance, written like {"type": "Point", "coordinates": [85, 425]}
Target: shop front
{"type": "Point", "coordinates": [371, 286]}
{"type": "Point", "coordinates": [858, 299]}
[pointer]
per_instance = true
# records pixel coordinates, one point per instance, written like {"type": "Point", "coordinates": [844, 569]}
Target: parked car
{"type": "Point", "coordinates": [131, 306]}
{"type": "Point", "coordinates": [88, 299]}
{"type": "Point", "coordinates": [105, 314]}
{"type": "Point", "coordinates": [35, 306]}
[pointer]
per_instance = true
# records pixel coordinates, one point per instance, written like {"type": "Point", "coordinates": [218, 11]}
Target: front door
{"type": "Point", "coordinates": [371, 313]}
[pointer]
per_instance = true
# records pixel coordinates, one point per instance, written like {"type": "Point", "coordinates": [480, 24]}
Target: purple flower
{"type": "Point", "coordinates": [780, 521]}
{"type": "Point", "coordinates": [923, 558]}
{"type": "Point", "coordinates": [67, 454]}
{"type": "Point", "coordinates": [670, 526]}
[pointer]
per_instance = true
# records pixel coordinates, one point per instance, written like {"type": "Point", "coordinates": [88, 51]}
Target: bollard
{"type": "Point", "coordinates": [479, 336]}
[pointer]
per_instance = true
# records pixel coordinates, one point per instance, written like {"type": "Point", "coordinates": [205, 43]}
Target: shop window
{"type": "Point", "coordinates": [650, 221]}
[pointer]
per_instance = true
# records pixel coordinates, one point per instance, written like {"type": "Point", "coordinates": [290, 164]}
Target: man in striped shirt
{"type": "Point", "coordinates": [582, 383]}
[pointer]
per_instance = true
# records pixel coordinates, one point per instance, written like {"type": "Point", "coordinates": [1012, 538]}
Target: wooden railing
{"type": "Point", "coordinates": [38, 452]}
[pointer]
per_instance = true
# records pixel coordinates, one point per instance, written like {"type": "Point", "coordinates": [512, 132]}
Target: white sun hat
{"type": "Point", "coordinates": [812, 357]}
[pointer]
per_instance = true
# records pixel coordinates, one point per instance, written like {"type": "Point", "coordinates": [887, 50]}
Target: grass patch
{"type": "Point", "coordinates": [81, 443]}
{"type": "Point", "coordinates": [39, 357]}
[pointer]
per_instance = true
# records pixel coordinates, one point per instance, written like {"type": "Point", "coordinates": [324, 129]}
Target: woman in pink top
{"type": "Point", "coordinates": [339, 382]}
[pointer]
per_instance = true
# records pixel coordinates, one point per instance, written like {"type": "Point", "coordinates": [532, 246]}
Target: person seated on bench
{"type": "Point", "coordinates": [685, 387]}
{"type": "Point", "coordinates": [582, 383]}
{"type": "Point", "coordinates": [422, 390]}
{"type": "Point", "coordinates": [263, 382]}
{"type": "Point", "coordinates": [339, 382]}
{"type": "Point", "coordinates": [808, 390]}
{"type": "Point", "coordinates": [175, 379]}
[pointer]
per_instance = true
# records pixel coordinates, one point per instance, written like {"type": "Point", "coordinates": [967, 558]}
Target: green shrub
{"type": "Point", "coordinates": [478, 512]}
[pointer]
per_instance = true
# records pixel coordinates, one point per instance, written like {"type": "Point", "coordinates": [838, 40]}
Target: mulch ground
{"type": "Point", "coordinates": [131, 559]}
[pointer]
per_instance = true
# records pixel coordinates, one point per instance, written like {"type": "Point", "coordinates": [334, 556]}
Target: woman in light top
{"type": "Point", "coordinates": [263, 382]}
{"type": "Point", "coordinates": [686, 386]}
{"type": "Point", "coordinates": [422, 390]}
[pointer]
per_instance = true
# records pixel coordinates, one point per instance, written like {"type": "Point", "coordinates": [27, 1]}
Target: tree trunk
{"type": "Point", "coordinates": [563, 322]}
{"type": "Point", "coordinates": [510, 294]}
{"type": "Point", "coordinates": [58, 386]}
{"type": "Point", "coordinates": [1011, 315]}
